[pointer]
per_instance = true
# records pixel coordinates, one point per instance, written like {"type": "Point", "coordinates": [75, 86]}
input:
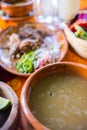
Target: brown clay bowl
{"type": "Point", "coordinates": [17, 9]}
{"type": "Point", "coordinates": [7, 92]}
{"type": "Point", "coordinates": [9, 64]}
{"type": "Point", "coordinates": [29, 122]}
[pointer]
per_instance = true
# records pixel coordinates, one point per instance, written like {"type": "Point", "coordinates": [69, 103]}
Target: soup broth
{"type": "Point", "coordinates": [59, 101]}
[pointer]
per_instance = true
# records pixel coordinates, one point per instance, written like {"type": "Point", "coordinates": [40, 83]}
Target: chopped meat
{"type": "Point", "coordinates": [28, 44]}
{"type": "Point", "coordinates": [29, 37]}
{"type": "Point", "coordinates": [13, 44]}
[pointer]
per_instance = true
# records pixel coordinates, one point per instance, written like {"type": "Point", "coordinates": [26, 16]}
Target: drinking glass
{"type": "Point", "coordinates": [55, 11]}
{"type": "Point", "coordinates": [68, 9]}
{"type": "Point", "coordinates": [46, 10]}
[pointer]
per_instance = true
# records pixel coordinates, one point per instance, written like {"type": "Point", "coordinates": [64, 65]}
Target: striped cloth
{"type": "Point", "coordinates": [82, 14]}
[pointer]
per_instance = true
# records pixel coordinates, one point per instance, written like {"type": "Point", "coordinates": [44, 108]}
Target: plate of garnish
{"type": "Point", "coordinates": [30, 46]}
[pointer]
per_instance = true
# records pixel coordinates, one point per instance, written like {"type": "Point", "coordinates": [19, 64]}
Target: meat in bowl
{"type": "Point", "coordinates": [32, 46]}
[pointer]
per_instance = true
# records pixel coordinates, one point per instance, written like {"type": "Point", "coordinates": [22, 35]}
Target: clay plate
{"type": "Point", "coordinates": [9, 65]}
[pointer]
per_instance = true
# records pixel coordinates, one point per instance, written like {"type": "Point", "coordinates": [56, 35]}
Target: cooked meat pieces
{"type": "Point", "coordinates": [28, 44]}
{"type": "Point", "coordinates": [32, 31]}
{"type": "Point", "coordinates": [14, 50]}
{"type": "Point", "coordinates": [13, 44]}
{"type": "Point", "coordinates": [13, 39]}
{"type": "Point", "coordinates": [28, 38]}
{"type": "Point", "coordinates": [18, 46]}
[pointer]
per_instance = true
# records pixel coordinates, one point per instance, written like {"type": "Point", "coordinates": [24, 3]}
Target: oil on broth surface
{"type": "Point", "coordinates": [59, 102]}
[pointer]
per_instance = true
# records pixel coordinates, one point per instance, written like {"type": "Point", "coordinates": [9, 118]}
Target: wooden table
{"type": "Point", "coordinates": [17, 82]}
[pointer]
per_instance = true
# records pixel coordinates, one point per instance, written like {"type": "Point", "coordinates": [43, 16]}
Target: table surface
{"type": "Point", "coordinates": [17, 82]}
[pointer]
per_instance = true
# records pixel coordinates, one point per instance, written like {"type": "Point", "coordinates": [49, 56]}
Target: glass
{"type": "Point", "coordinates": [46, 10]}
{"type": "Point", "coordinates": [68, 9]}
{"type": "Point", "coordinates": [56, 11]}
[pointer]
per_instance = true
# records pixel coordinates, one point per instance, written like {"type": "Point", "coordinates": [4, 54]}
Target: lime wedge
{"type": "Point", "coordinates": [4, 103]}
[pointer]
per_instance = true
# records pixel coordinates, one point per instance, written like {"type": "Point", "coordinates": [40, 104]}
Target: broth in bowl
{"type": "Point", "coordinates": [55, 98]}
{"type": "Point", "coordinates": [59, 101]}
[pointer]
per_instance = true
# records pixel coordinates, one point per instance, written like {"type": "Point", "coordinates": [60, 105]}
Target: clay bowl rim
{"type": "Point", "coordinates": [26, 92]}
{"type": "Point", "coordinates": [13, 9]}
{"type": "Point", "coordinates": [14, 110]}
{"type": "Point", "coordinates": [4, 4]}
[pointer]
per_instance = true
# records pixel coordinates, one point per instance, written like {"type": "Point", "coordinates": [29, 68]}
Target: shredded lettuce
{"type": "Point", "coordinates": [26, 62]}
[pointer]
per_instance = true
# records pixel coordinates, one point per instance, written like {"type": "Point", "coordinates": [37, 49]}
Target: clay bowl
{"type": "Point", "coordinates": [17, 9]}
{"type": "Point", "coordinates": [28, 119]}
{"type": "Point", "coordinates": [10, 64]}
{"type": "Point", "coordinates": [11, 122]}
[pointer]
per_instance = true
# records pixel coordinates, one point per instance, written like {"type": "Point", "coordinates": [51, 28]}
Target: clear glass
{"type": "Point", "coordinates": [49, 11]}
{"type": "Point", "coordinates": [46, 10]}
{"type": "Point", "coordinates": [68, 9]}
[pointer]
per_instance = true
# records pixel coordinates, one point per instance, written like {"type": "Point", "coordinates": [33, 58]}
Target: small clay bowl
{"type": "Point", "coordinates": [17, 9]}
{"type": "Point", "coordinates": [29, 122]}
{"type": "Point", "coordinates": [12, 120]}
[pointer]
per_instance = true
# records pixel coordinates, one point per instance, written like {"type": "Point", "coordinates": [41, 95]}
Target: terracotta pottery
{"type": "Point", "coordinates": [29, 122]}
{"type": "Point", "coordinates": [17, 9]}
{"type": "Point", "coordinates": [10, 64]}
{"type": "Point", "coordinates": [12, 120]}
